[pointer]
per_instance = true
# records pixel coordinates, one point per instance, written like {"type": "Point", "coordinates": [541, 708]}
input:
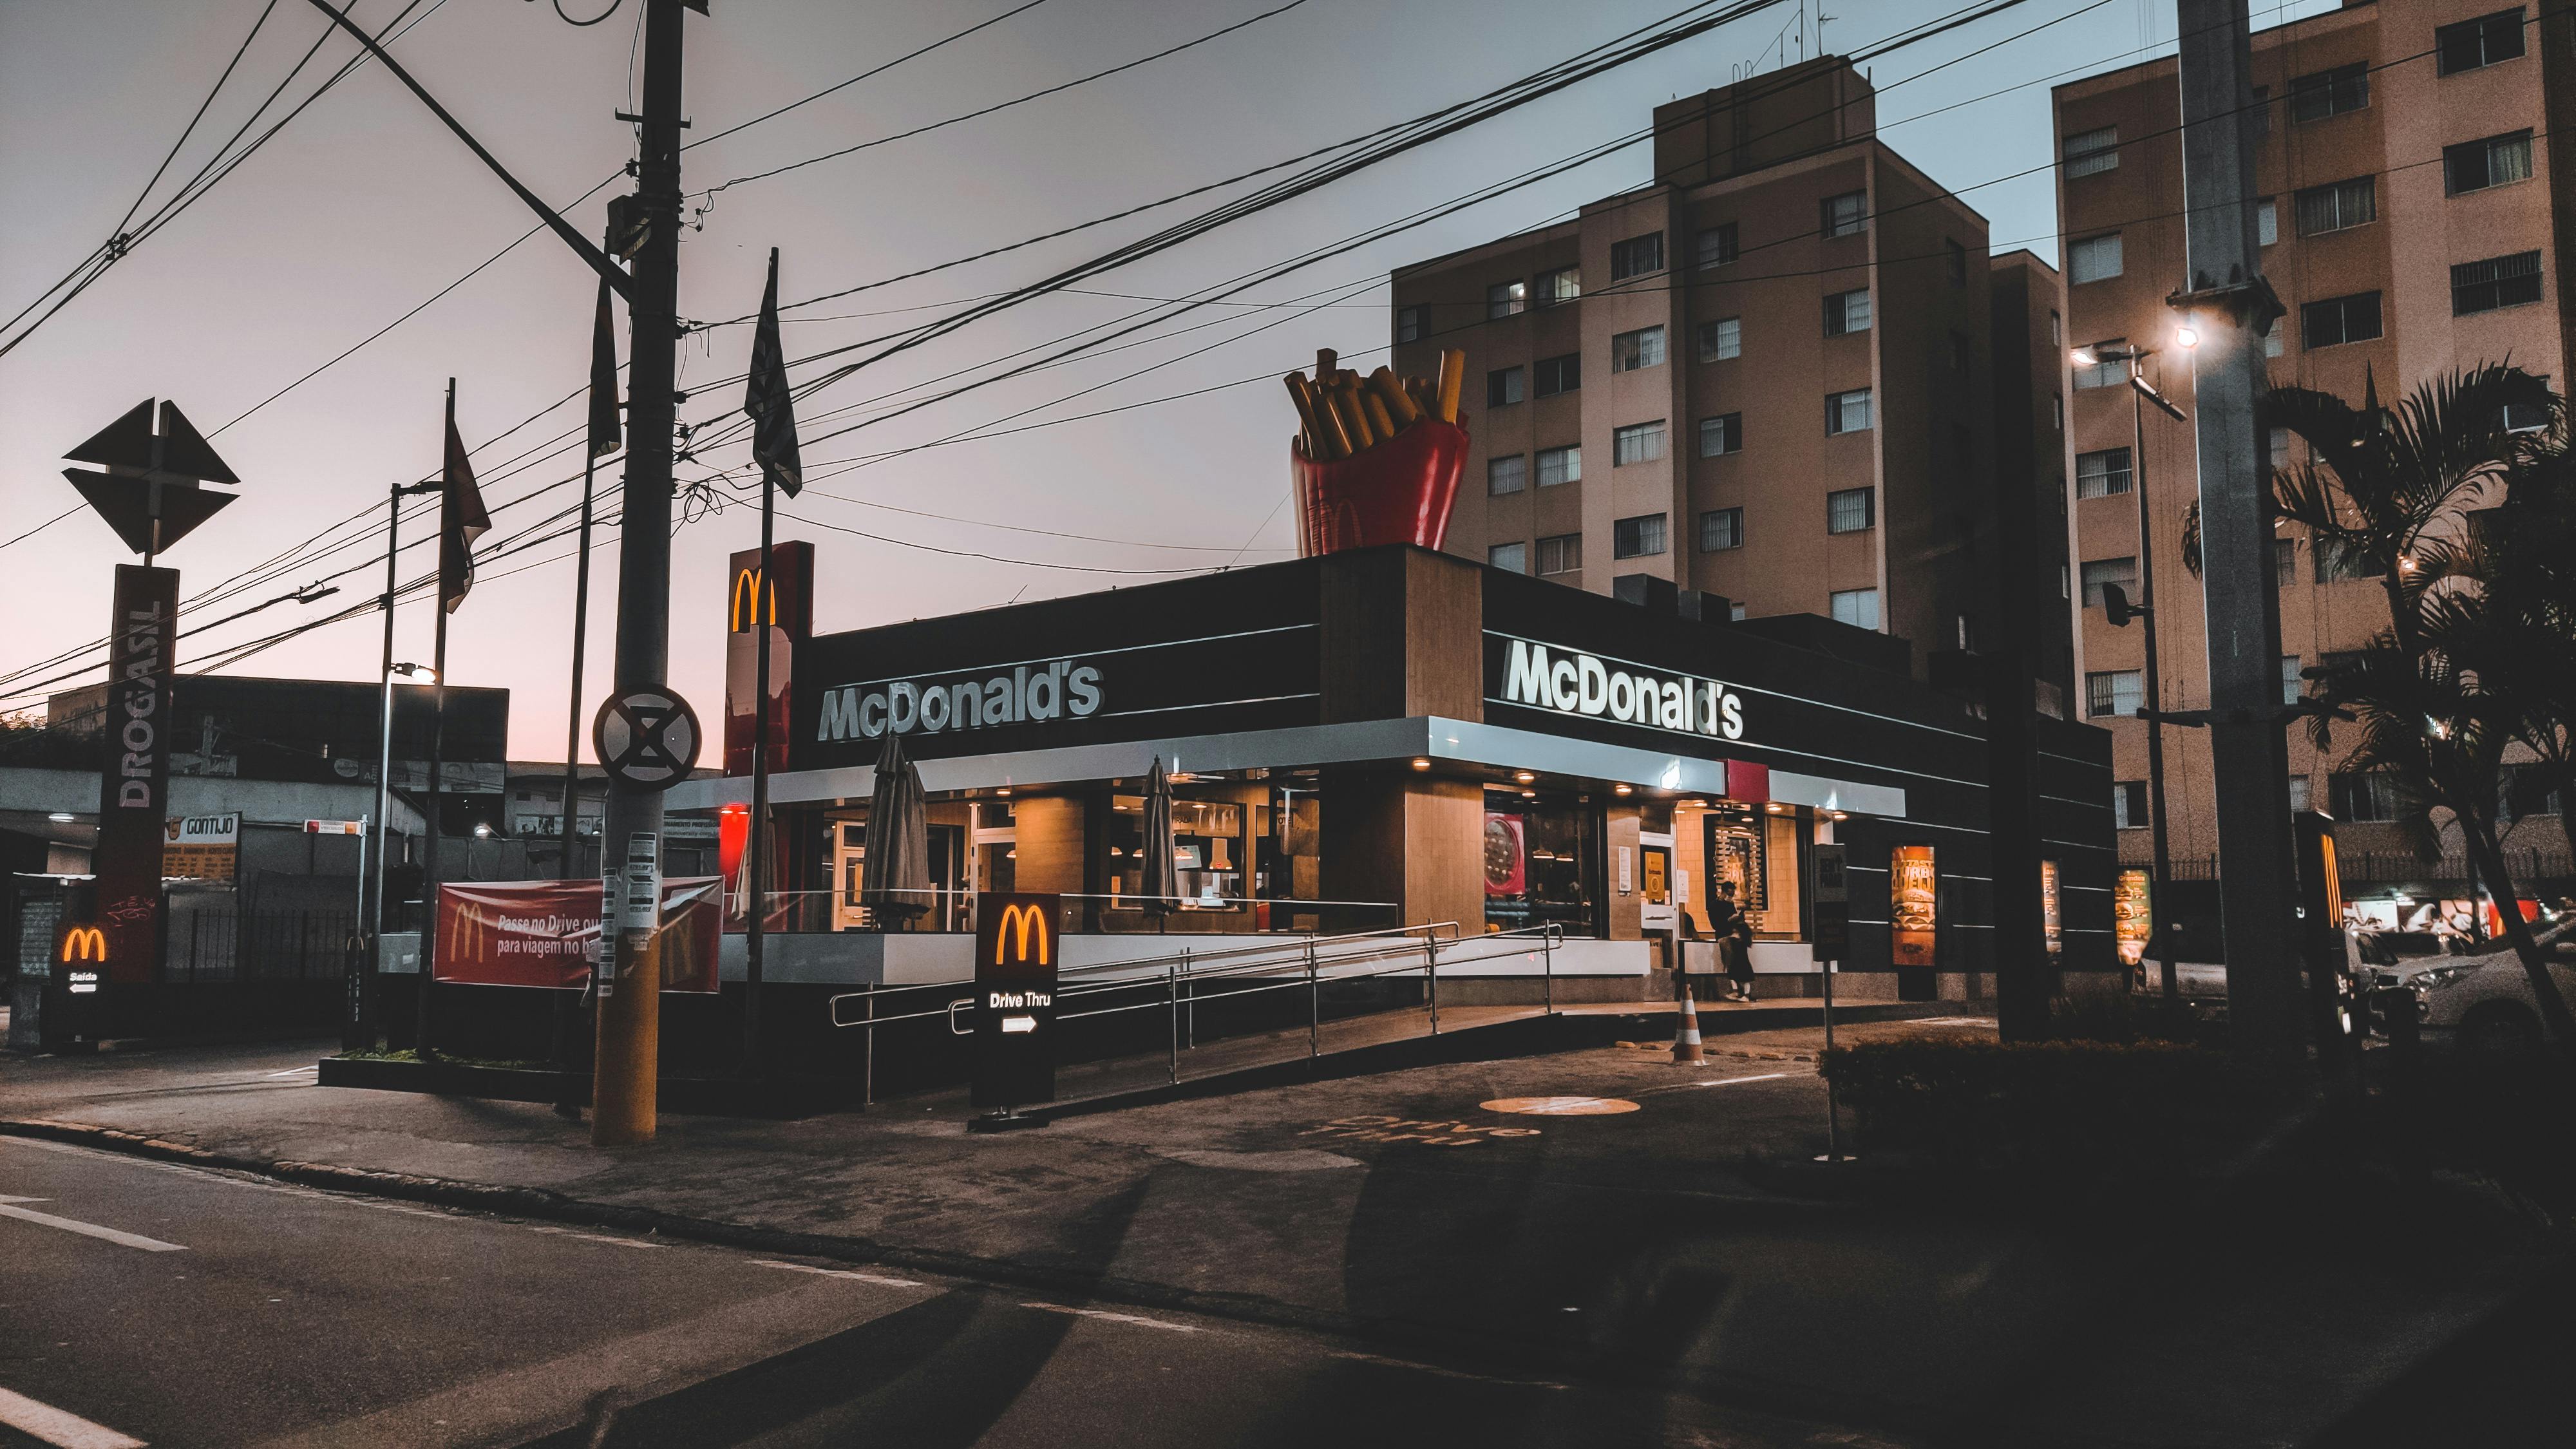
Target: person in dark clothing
{"type": "Point", "coordinates": [1734, 936]}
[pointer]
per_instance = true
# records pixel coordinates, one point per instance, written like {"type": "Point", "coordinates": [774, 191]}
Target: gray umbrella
{"type": "Point", "coordinates": [1161, 887]}
{"type": "Point", "coordinates": [894, 880]}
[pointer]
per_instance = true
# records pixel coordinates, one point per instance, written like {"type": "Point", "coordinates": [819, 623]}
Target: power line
{"type": "Point", "coordinates": [864, 75]}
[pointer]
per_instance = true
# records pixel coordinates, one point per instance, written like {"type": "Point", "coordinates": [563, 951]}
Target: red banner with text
{"type": "Point", "coordinates": [545, 933]}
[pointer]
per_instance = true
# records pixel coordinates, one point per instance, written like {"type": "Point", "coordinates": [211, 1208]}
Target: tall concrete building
{"type": "Point", "coordinates": [1769, 376]}
{"type": "Point", "coordinates": [2411, 223]}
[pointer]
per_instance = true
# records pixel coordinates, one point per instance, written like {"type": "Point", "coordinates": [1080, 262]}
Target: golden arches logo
{"type": "Point", "coordinates": [1026, 920]}
{"type": "Point", "coordinates": [84, 943]}
{"type": "Point", "coordinates": [743, 610]}
{"type": "Point", "coordinates": [473, 932]}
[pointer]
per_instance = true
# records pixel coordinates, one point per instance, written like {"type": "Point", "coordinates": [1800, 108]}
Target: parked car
{"type": "Point", "coordinates": [2482, 1002]}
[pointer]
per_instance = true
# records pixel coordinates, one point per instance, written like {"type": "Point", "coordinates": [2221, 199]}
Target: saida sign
{"type": "Point", "coordinates": [1015, 986]}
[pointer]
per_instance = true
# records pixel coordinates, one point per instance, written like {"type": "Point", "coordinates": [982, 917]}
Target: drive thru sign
{"type": "Point", "coordinates": [1015, 983]}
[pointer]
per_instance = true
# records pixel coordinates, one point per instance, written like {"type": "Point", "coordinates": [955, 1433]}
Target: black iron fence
{"type": "Point", "coordinates": [213, 946]}
{"type": "Point", "coordinates": [2530, 866]}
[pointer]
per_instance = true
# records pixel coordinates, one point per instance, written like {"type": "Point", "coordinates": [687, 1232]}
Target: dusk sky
{"type": "Point", "coordinates": [364, 206]}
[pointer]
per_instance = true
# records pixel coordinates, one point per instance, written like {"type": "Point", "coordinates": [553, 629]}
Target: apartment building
{"type": "Point", "coordinates": [1769, 376]}
{"type": "Point", "coordinates": [2411, 215]}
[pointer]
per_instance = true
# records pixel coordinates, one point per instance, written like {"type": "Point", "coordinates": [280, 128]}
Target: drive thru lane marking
{"type": "Point", "coordinates": [836, 1273]}
{"type": "Point", "coordinates": [9, 1209]}
{"type": "Point", "coordinates": [62, 1430]}
{"type": "Point", "coordinates": [1137, 1319]}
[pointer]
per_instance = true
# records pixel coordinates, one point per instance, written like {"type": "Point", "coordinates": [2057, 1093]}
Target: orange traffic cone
{"type": "Point", "coordinates": [1686, 1052]}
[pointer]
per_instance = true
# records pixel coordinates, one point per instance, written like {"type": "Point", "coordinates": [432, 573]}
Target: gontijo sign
{"type": "Point", "coordinates": [1570, 681]}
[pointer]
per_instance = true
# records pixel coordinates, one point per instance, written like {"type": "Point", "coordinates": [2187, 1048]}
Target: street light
{"type": "Point", "coordinates": [371, 882]}
{"type": "Point", "coordinates": [2141, 393]}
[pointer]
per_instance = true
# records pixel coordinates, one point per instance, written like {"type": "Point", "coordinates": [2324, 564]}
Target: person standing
{"type": "Point", "coordinates": [1734, 936]}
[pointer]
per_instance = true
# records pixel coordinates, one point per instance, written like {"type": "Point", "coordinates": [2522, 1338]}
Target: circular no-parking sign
{"type": "Point", "coordinates": [647, 738]}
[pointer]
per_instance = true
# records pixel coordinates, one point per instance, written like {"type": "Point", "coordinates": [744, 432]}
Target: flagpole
{"type": "Point", "coordinates": [757, 855]}
{"type": "Point", "coordinates": [437, 765]}
{"type": "Point", "coordinates": [590, 451]}
{"type": "Point", "coordinates": [362, 996]}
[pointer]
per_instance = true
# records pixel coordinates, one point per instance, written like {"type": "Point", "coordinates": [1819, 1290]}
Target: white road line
{"type": "Point", "coordinates": [292, 1072]}
{"type": "Point", "coordinates": [64, 1431]}
{"type": "Point", "coordinates": [837, 1273]}
{"type": "Point", "coordinates": [1137, 1319]}
{"type": "Point", "coordinates": [601, 1238]}
{"type": "Point", "coordinates": [8, 1209]}
{"type": "Point", "coordinates": [1731, 1081]}
{"type": "Point", "coordinates": [1446, 1373]}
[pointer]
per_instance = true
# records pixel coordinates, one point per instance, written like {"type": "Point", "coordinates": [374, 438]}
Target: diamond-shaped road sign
{"type": "Point", "coordinates": [150, 493]}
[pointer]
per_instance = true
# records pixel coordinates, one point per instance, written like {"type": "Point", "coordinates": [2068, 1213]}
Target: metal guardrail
{"type": "Point", "coordinates": [1413, 949]}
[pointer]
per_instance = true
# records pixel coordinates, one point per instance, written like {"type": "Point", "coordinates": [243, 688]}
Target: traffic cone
{"type": "Point", "coordinates": [1686, 1052]}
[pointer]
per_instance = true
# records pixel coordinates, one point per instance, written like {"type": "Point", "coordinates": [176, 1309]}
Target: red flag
{"type": "Point", "coordinates": [461, 517]}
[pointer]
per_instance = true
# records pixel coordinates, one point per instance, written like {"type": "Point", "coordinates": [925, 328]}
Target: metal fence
{"type": "Point", "coordinates": [219, 944]}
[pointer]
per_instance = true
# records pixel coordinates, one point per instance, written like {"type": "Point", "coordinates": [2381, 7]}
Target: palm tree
{"type": "Point", "coordinates": [2526, 565]}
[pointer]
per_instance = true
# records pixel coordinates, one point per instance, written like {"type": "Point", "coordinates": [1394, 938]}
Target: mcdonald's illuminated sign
{"type": "Point", "coordinates": [1015, 986]}
{"type": "Point", "coordinates": [84, 943]}
{"type": "Point", "coordinates": [743, 611]}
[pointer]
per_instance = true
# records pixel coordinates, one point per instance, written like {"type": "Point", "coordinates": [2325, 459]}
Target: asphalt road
{"type": "Point", "coordinates": [145, 1302]}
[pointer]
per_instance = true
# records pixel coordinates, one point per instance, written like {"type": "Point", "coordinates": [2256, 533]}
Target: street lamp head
{"type": "Point", "coordinates": [2187, 336]}
{"type": "Point", "coordinates": [418, 671]}
{"type": "Point", "coordinates": [2082, 357]}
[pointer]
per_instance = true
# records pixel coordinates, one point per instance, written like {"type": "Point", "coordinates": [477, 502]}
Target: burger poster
{"type": "Point", "coordinates": [1506, 865]}
{"type": "Point", "coordinates": [1913, 890]}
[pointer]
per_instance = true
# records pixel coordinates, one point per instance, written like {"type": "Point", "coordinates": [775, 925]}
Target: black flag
{"type": "Point", "coordinates": [461, 518]}
{"type": "Point", "coordinates": [604, 438]}
{"type": "Point", "coordinates": [773, 412]}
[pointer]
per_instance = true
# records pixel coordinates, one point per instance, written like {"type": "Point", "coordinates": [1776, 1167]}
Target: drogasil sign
{"type": "Point", "coordinates": [1570, 681]}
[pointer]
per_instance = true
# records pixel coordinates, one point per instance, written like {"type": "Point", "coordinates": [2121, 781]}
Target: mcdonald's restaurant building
{"type": "Point", "coordinates": [1392, 737]}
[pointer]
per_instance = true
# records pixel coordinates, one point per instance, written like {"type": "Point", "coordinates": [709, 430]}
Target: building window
{"type": "Point", "coordinates": [2056, 329]}
{"type": "Point", "coordinates": [1845, 215]}
{"type": "Point", "coordinates": [2285, 562]}
{"type": "Point", "coordinates": [1957, 256]}
{"type": "Point", "coordinates": [1734, 611]}
{"type": "Point", "coordinates": [2339, 561]}
{"type": "Point", "coordinates": [1847, 312]}
{"type": "Point", "coordinates": [1503, 387]}
{"type": "Point", "coordinates": [1721, 529]}
{"type": "Point", "coordinates": [2129, 805]}
{"type": "Point", "coordinates": [1639, 537]}
{"type": "Point", "coordinates": [1721, 339]}
{"type": "Point", "coordinates": [2336, 206]}
{"type": "Point", "coordinates": [2093, 259]}
{"type": "Point", "coordinates": [1637, 256]}
{"type": "Point", "coordinates": [2338, 320]}
{"type": "Point", "coordinates": [2364, 796]}
{"type": "Point", "coordinates": [2516, 417]}
{"type": "Point", "coordinates": [2472, 44]}
{"type": "Point", "coordinates": [1411, 323]}
{"type": "Point", "coordinates": [1560, 554]}
{"type": "Point", "coordinates": [1637, 443]}
{"type": "Point", "coordinates": [2262, 115]}
{"type": "Point", "coordinates": [1511, 558]}
{"type": "Point", "coordinates": [2103, 370]}
{"type": "Point", "coordinates": [2113, 693]}
{"type": "Point", "coordinates": [2324, 93]}
{"type": "Point", "coordinates": [2057, 410]}
{"type": "Point", "coordinates": [1630, 351]}
{"type": "Point", "coordinates": [2290, 681]}
{"type": "Point", "coordinates": [1506, 299]}
{"type": "Point", "coordinates": [1721, 435]}
{"type": "Point", "coordinates": [2496, 282]}
{"type": "Point", "coordinates": [1559, 465]}
{"type": "Point", "coordinates": [1562, 285]}
{"type": "Point", "coordinates": [2099, 571]}
{"type": "Point", "coordinates": [1506, 475]}
{"type": "Point", "coordinates": [1559, 374]}
{"type": "Point", "coordinates": [2267, 221]}
{"type": "Point", "coordinates": [1851, 510]}
{"type": "Point", "coordinates": [1847, 412]}
{"type": "Point", "coordinates": [2090, 153]}
{"type": "Point", "coordinates": [1717, 245]}
{"type": "Point", "coordinates": [2495, 161]}
{"type": "Point", "coordinates": [2099, 475]}
{"type": "Point", "coordinates": [2529, 792]}
{"type": "Point", "coordinates": [2298, 794]}
{"type": "Point", "coordinates": [1856, 607]}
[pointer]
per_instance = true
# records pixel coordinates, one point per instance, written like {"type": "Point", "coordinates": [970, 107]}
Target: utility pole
{"type": "Point", "coordinates": [2229, 304]}
{"type": "Point", "coordinates": [622, 1084]}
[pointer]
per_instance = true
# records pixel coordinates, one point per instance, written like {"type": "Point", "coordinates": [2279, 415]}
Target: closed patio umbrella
{"type": "Point", "coordinates": [894, 880]}
{"type": "Point", "coordinates": [1161, 887]}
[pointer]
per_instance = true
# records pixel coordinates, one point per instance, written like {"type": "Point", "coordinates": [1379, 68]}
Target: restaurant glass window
{"type": "Point", "coordinates": [1542, 858]}
{"type": "Point", "coordinates": [1209, 852]}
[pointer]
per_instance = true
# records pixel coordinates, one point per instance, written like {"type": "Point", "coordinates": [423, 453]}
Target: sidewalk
{"type": "Point", "coordinates": [1399, 1208]}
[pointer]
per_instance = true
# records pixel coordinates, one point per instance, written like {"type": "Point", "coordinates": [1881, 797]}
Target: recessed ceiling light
{"type": "Point", "coordinates": [1529, 794]}
{"type": "Point", "coordinates": [1523, 776]}
{"type": "Point", "coordinates": [1624, 789]}
{"type": "Point", "coordinates": [1421, 764]}
{"type": "Point", "coordinates": [61, 817]}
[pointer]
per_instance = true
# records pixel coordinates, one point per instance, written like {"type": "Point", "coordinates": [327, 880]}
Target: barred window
{"type": "Point", "coordinates": [1637, 256]}
{"type": "Point", "coordinates": [1506, 475]}
{"type": "Point", "coordinates": [1411, 323]}
{"type": "Point", "coordinates": [1721, 435]}
{"type": "Point", "coordinates": [2113, 693]}
{"type": "Point", "coordinates": [2338, 320]}
{"type": "Point", "coordinates": [2099, 475]}
{"type": "Point", "coordinates": [1721, 529]}
{"type": "Point", "coordinates": [2336, 206]}
{"type": "Point", "coordinates": [2090, 153]}
{"type": "Point", "coordinates": [2325, 93]}
{"type": "Point", "coordinates": [1847, 312]}
{"type": "Point", "coordinates": [1717, 245]}
{"type": "Point", "coordinates": [1721, 339]}
{"type": "Point", "coordinates": [1639, 537]}
{"type": "Point", "coordinates": [1846, 214]}
{"type": "Point", "coordinates": [2495, 161]}
{"type": "Point", "coordinates": [1847, 412]}
{"type": "Point", "coordinates": [1506, 299]}
{"type": "Point", "coordinates": [2291, 684]}
{"type": "Point", "coordinates": [1630, 351]}
{"type": "Point", "coordinates": [1637, 443]}
{"type": "Point", "coordinates": [1851, 510]}
{"type": "Point", "coordinates": [2495, 282]}
{"type": "Point", "coordinates": [1562, 285]}
{"type": "Point", "coordinates": [1559, 465]}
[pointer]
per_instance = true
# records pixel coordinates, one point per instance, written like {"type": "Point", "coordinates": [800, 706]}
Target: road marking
{"type": "Point", "coordinates": [1561, 1106]}
{"type": "Point", "coordinates": [599, 1238]}
{"type": "Point", "coordinates": [1135, 1318]}
{"type": "Point", "coordinates": [837, 1273]}
{"type": "Point", "coordinates": [1731, 1081]}
{"type": "Point", "coordinates": [64, 1431]}
{"type": "Point", "coordinates": [1446, 1373]}
{"type": "Point", "coordinates": [292, 1072]}
{"type": "Point", "coordinates": [9, 1209]}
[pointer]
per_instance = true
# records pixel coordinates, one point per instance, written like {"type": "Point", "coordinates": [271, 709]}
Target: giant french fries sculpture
{"type": "Point", "coordinates": [1376, 459]}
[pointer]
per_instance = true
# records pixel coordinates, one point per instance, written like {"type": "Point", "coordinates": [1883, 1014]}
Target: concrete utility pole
{"type": "Point", "coordinates": [2231, 305]}
{"type": "Point", "coordinates": [622, 1084]}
